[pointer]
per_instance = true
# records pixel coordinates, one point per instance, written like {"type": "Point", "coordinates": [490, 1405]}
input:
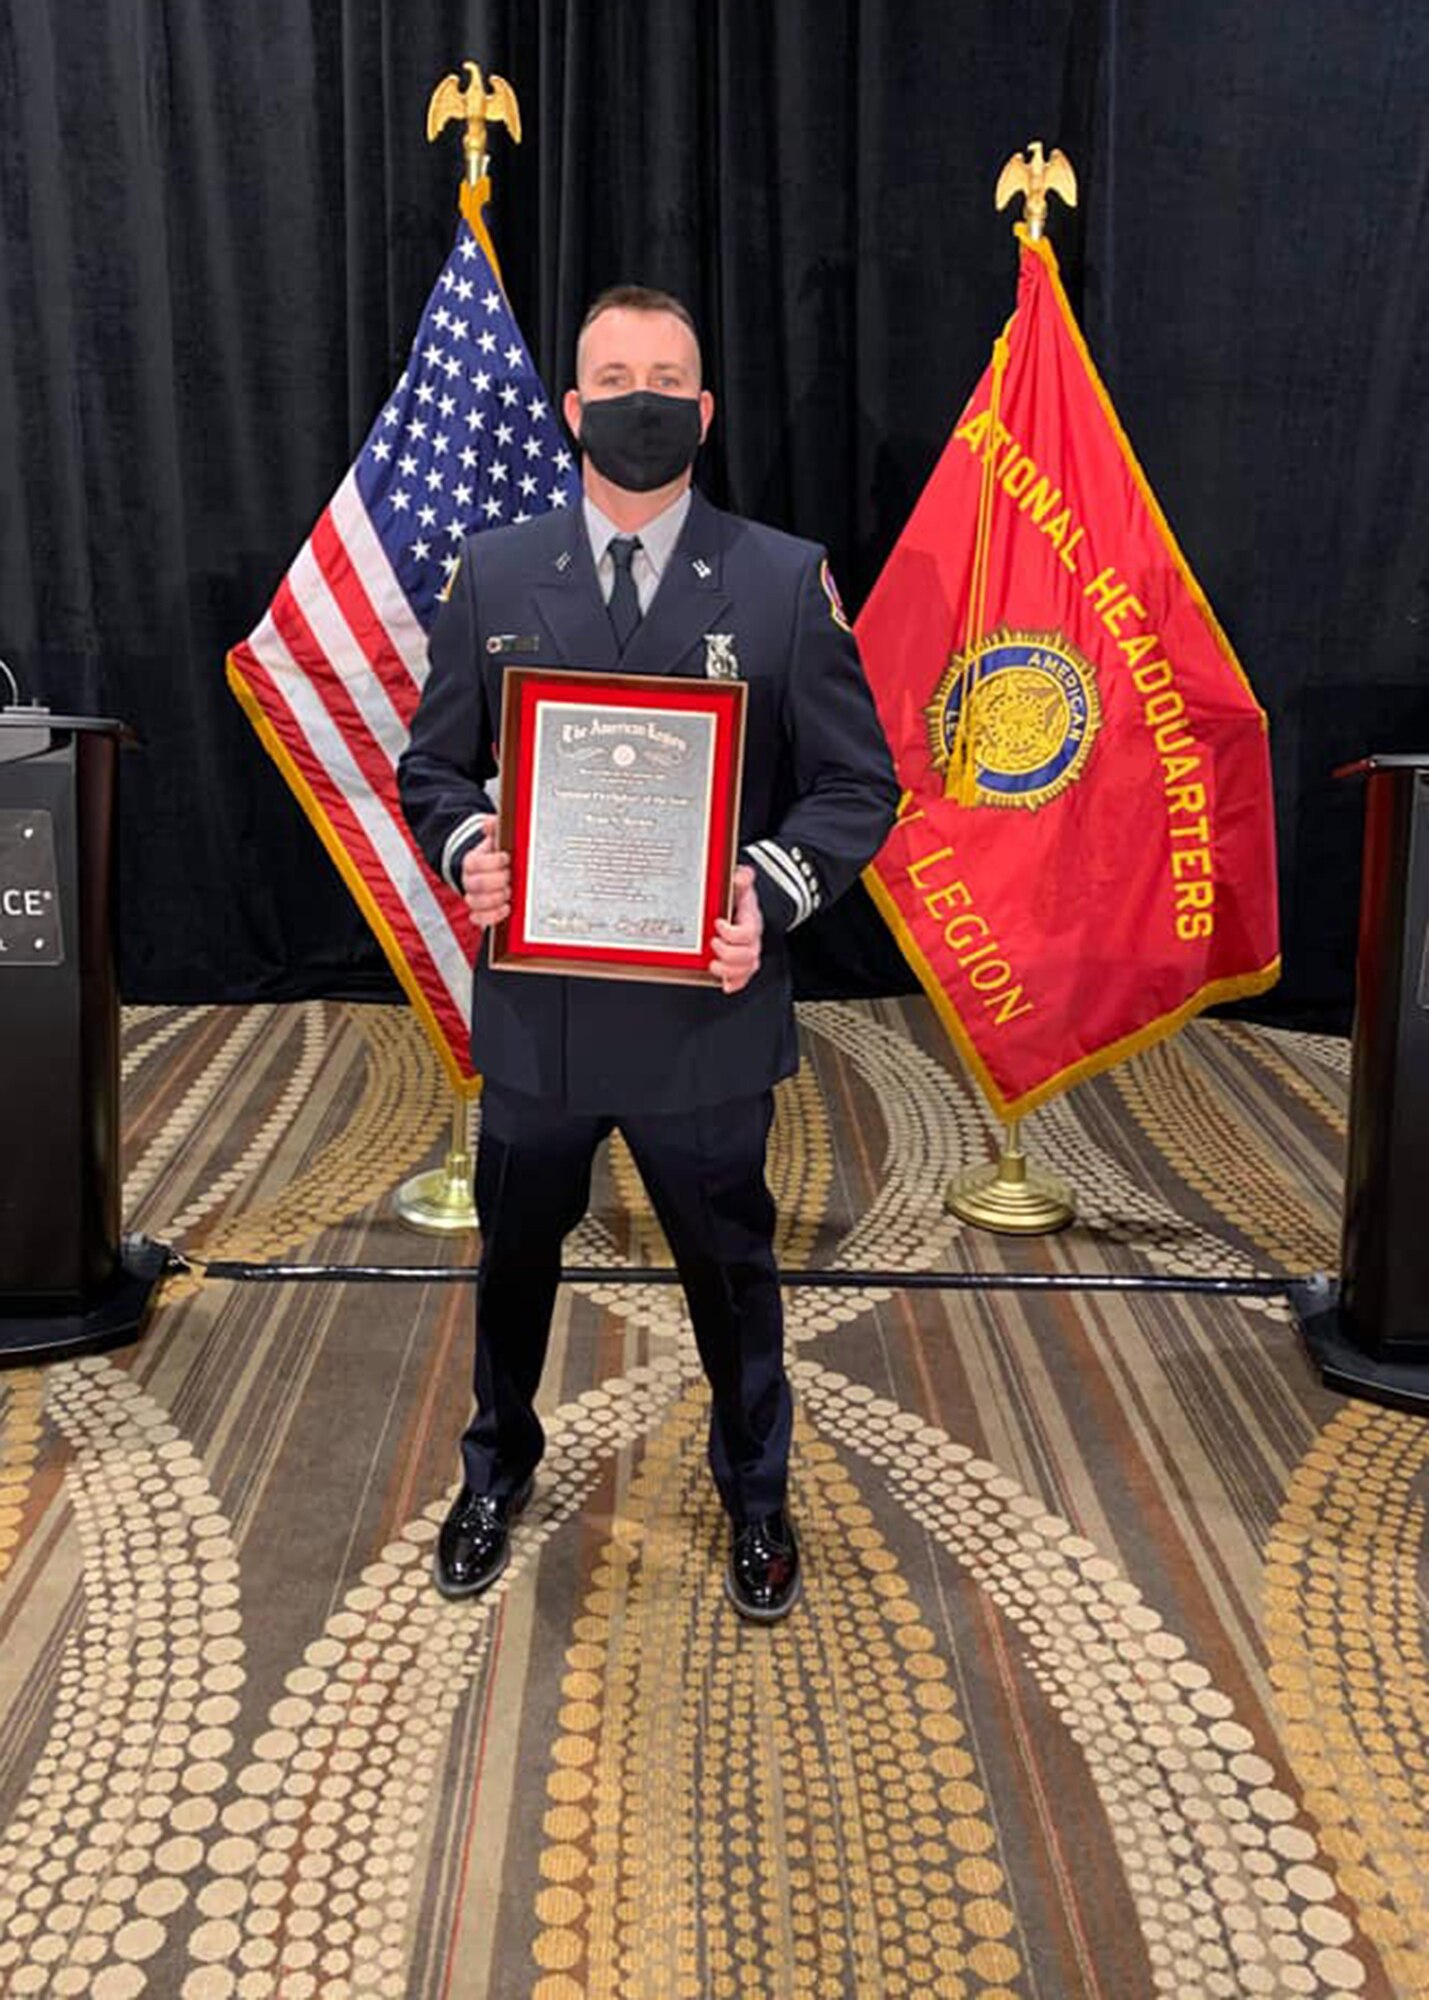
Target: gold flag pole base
{"type": "Point", "coordinates": [442, 1202]}
{"type": "Point", "coordinates": [1011, 1197]}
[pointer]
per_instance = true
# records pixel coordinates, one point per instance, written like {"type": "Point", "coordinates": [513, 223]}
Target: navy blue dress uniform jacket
{"type": "Point", "coordinates": [818, 797]}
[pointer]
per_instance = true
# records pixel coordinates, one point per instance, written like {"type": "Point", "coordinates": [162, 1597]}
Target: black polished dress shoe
{"type": "Point", "coordinates": [762, 1579]}
{"type": "Point", "coordinates": [474, 1545]}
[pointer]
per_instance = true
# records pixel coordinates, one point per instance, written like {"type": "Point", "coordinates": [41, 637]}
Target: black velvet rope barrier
{"type": "Point", "coordinates": [1257, 1285]}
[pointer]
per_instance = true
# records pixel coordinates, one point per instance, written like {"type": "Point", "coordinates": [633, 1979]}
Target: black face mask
{"type": "Point", "coordinates": [642, 440]}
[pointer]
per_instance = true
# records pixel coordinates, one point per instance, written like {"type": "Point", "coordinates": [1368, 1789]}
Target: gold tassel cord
{"type": "Point", "coordinates": [961, 780]}
{"type": "Point", "coordinates": [472, 201]}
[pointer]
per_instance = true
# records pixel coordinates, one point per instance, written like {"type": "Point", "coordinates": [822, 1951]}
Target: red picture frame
{"type": "Point", "coordinates": [619, 808]}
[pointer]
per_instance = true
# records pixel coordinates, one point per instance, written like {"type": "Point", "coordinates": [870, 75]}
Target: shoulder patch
{"type": "Point", "coordinates": [831, 592]}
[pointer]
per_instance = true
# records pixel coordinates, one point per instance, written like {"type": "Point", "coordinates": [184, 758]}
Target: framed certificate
{"type": "Point", "coordinates": [620, 811]}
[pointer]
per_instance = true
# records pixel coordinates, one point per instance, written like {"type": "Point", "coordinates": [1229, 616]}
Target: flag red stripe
{"type": "Point", "coordinates": [346, 824]}
{"type": "Point", "coordinates": [349, 722]}
{"type": "Point", "coordinates": [320, 781]}
{"type": "Point", "coordinates": [344, 579]}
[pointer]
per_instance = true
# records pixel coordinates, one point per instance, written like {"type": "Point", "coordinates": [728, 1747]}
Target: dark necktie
{"type": "Point", "coordinates": [624, 605]}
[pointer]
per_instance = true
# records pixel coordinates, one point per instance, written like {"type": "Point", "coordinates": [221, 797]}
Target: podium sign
{"type": "Point", "coordinates": [1373, 1337]}
{"type": "Point", "coordinates": [65, 1278]}
{"type": "Point", "coordinates": [29, 890]}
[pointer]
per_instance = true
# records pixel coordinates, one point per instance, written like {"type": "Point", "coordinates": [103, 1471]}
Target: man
{"type": "Point", "coordinates": [646, 577]}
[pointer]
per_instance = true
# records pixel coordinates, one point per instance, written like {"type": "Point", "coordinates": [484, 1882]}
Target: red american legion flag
{"type": "Point", "coordinates": [330, 675]}
{"type": "Point", "coordinates": [1085, 853]}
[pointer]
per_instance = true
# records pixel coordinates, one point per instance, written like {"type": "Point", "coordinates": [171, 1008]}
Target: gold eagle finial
{"type": "Point", "coordinates": [1036, 178]}
{"type": "Point", "coordinates": [477, 107]}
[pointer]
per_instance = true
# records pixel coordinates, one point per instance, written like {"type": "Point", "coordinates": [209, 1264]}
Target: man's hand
{"type": "Point", "coordinates": [486, 879]}
{"type": "Point", "coordinates": [738, 941]}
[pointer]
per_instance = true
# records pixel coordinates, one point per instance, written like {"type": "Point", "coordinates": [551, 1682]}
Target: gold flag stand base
{"type": "Point", "coordinates": [442, 1202]}
{"type": "Point", "coordinates": [1011, 1198]}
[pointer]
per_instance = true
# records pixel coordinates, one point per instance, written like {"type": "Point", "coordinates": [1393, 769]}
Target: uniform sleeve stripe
{"type": "Point", "coordinates": [782, 872]}
{"type": "Point", "coordinates": [463, 833]}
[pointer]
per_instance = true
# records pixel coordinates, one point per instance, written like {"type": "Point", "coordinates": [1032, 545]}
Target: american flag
{"type": "Point", "coordinates": [330, 675]}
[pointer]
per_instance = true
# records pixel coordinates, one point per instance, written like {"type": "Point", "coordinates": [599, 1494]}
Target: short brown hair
{"type": "Point", "coordinates": [638, 298]}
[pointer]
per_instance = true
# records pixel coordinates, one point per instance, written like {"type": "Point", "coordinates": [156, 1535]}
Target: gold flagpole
{"type": "Point", "coordinates": [1011, 1197]}
{"type": "Point", "coordinates": [442, 1202]}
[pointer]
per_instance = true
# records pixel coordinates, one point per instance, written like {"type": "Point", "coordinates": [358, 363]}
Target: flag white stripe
{"type": "Point", "coordinates": [354, 525]}
{"type": "Point", "coordinates": [344, 654]}
{"type": "Point", "coordinates": [404, 872]}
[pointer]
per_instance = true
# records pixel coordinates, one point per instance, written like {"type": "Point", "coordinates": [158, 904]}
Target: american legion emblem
{"type": "Point", "coordinates": [1035, 714]}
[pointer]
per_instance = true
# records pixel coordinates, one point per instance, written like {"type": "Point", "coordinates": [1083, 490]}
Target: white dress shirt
{"type": "Point", "coordinates": [657, 539]}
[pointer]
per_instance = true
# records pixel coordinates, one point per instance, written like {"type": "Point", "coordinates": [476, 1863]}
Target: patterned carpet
{"type": "Point", "coordinates": [1110, 1678]}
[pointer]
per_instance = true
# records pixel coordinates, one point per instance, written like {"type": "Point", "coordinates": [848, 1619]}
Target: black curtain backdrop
{"type": "Point", "coordinates": [219, 224]}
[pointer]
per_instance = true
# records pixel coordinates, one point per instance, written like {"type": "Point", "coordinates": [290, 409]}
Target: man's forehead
{"type": "Point", "coordinates": [624, 333]}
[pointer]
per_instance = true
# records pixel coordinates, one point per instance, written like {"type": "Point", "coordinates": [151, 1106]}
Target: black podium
{"type": "Point", "coordinates": [66, 1278]}
{"type": "Point", "coordinates": [1370, 1335]}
